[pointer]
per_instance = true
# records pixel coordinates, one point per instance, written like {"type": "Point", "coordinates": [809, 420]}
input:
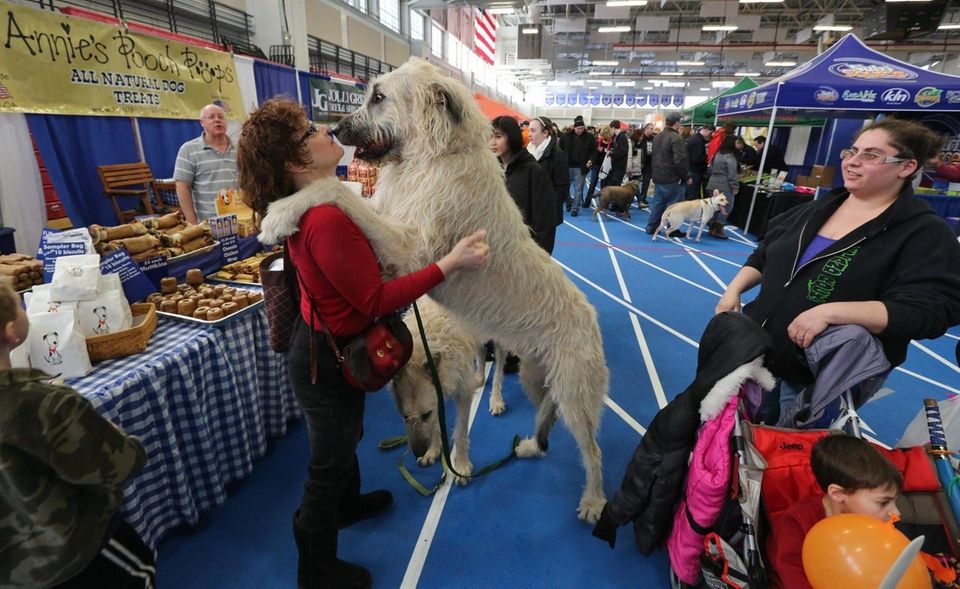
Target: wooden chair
{"type": "Point", "coordinates": [125, 181]}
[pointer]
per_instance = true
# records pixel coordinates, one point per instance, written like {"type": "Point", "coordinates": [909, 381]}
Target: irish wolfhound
{"type": "Point", "coordinates": [459, 357]}
{"type": "Point", "coordinates": [440, 184]}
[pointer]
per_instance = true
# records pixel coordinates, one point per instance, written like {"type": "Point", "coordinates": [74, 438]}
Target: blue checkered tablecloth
{"type": "Point", "coordinates": [203, 401]}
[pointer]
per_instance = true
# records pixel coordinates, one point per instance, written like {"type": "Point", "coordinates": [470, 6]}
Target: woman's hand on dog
{"type": "Point", "coordinates": [470, 253]}
{"type": "Point", "coordinates": [730, 301]}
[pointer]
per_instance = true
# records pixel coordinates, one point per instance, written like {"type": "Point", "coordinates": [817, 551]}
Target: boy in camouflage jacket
{"type": "Point", "coordinates": [62, 467]}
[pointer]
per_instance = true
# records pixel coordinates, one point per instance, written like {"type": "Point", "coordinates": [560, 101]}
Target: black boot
{"type": "Point", "coordinates": [318, 565]}
{"type": "Point", "coordinates": [364, 506]}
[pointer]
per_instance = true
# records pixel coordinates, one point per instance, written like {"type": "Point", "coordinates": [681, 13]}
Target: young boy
{"type": "Point", "coordinates": [855, 478]}
{"type": "Point", "coordinates": [62, 467]}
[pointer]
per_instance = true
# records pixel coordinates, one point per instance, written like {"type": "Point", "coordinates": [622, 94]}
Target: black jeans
{"type": "Point", "coordinates": [334, 414]}
{"type": "Point", "coordinates": [644, 184]}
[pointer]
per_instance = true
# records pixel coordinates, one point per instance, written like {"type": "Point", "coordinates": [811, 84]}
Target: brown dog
{"type": "Point", "coordinates": [619, 196]}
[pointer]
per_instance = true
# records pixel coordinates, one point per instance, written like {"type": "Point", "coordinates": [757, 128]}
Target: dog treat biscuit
{"type": "Point", "coordinates": [194, 277]}
{"type": "Point", "coordinates": [168, 306]}
{"type": "Point", "coordinates": [186, 307]}
{"type": "Point", "coordinates": [214, 314]}
{"type": "Point", "coordinates": [168, 285]}
{"type": "Point", "coordinates": [229, 307]}
{"type": "Point", "coordinates": [201, 313]}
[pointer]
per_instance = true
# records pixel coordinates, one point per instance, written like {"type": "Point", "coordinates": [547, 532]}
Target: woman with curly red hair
{"type": "Point", "coordinates": [287, 171]}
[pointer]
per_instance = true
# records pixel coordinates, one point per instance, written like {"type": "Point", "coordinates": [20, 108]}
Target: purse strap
{"type": "Point", "coordinates": [289, 269]}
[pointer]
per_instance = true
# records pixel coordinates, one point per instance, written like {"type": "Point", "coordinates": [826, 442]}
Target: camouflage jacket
{"type": "Point", "coordinates": [61, 470]}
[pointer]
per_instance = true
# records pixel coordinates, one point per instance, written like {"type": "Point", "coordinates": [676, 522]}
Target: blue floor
{"type": "Point", "coordinates": [517, 528]}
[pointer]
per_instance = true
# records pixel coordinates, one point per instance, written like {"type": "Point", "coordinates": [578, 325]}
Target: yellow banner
{"type": "Point", "coordinates": [56, 64]}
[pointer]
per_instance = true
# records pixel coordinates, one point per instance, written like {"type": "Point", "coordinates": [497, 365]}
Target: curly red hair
{"type": "Point", "coordinates": [268, 144]}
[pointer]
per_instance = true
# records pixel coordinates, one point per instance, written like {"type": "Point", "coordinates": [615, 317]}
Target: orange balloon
{"type": "Point", "coordinates": [850, 551]}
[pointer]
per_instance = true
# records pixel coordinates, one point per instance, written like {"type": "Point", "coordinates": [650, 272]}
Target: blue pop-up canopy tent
{"type": "Point", "coordinates": [849, 80]}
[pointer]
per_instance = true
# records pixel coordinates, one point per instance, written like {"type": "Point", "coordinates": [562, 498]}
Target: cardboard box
{"type": "Point", "coordinates": [822, 175]}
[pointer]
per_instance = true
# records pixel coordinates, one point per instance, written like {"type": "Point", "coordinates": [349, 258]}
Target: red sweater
{"type": "Point", "coordinates": [785, 542]}
{"type": "Point", "coordinates": [337, 266]}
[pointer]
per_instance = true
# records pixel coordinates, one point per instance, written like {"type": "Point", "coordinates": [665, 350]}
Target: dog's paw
{"type": "Point", "coordinates": [429, 458]}
{"type": "Point", "coordinates": [497, 406]}
{"type": "Point", "coordinates": [590, 508]}
{"type": "Point", "coordinates": [464, 467]}
{"type": "Point", "coordinates": [529, 448]}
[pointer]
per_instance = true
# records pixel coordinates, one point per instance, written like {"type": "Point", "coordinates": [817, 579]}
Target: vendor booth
{"type": "Point", "coordinates": [849, 80]}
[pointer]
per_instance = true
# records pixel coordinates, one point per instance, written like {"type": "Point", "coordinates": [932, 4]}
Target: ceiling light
{"type": "Point", "coordinates": [723, 84]}
{"type": "Point", "coordinates": [577, 83]}
{"type": "Point", "coordinates": [627, 84]}
{"type": "Point", "coordinates": [648, 87]}
{"type": "Point", "coordinates": [691, 63]}
{"type": "Point", "coordinates": [747, 74]}
{"type": "Point", "coordinates": [720, 27]}
{"type": "Point", "coordinates": [614, 3]}
{"type": "Point", "coordinates": [606, 83]}
{"type": "Point", "coordinates": [706, 89]}
{"type": "Point", "coordinates": [671, 73]}
{"type": "Point", "coordinates": [949, 26]}
{"type": "Point", "coordinates": [601, 62]}
{"type": "Point", "coordinates": [530, 31]}
{"type": "Point", "coordinates": [556, 83]}
{"type": "Point", "coordinates": [620, 29]}
{"type": "Point", "coordinates": [838, 28]}
{"type": "Point", "coordinates": [780, 63]}
{"type": "Point", "coordinates": [501, 10]}
{"type": "Point", "coordinates": [600, 74]}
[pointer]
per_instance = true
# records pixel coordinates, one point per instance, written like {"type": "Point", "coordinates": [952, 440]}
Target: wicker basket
{"type": "Point", "coordinates": [126, 342]}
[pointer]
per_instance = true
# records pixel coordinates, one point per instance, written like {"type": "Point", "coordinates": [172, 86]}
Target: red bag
{"type": "Point", "coordinates": [371, 358]}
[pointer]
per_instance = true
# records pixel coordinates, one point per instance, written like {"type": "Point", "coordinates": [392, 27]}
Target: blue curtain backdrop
{"type": "Point", "coordinates": [272, 80]}
{"type": "Point", "coordinates": [304, 79]}
{"type": "Point", "coordinates": [162, 138]}
{"type": "Point", "coordinates": [72, 147]}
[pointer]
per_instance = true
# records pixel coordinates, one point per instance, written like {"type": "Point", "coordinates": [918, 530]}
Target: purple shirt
{"type": "Point", "coordinates": [816, 246]}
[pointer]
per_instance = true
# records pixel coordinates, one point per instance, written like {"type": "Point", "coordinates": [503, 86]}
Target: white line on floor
{"type": "Point", "coordinates": [741, 238]}
{"type": "Point", "coordinates": [422, 548]}
{"type": "Point", "coordinates": [951, 336]}
{"type": "Point", "coordinates": [625, 416]}
{"type": "Point", "coordinates": [927, 380]}
{"type": "Point", "coordinates": [936, 356]}
{"type": "Point", "coordinates": [617, 299]}
{"type": "Point", "coordinates": [642, 261]}
{"type": "Point", "coordinates": [699, 251]}
{"type": "Point", "coordinates": [637, 330]}
{"type": "Point", "coordinates": [700, 263]}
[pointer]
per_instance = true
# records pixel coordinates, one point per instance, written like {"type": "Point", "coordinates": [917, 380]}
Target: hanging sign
{"type": "Point", "coordinates": [548, 99]}
{"type": "Point", "coordinates": [51, 63]}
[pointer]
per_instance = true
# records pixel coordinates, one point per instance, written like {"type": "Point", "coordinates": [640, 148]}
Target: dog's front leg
{"type": "Point", "coordinates": [461, 438]}
{"type": "Point", "coordinates": [497, 406]}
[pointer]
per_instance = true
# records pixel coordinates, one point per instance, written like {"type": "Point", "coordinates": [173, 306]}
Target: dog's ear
{"type": "Point", "coordinates": [444, 98]}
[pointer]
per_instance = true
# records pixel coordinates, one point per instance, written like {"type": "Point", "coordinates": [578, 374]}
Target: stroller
{"type": "Point", "coordinates": [704, 480]}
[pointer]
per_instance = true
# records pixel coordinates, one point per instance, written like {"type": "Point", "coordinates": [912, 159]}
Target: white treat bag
{"type": "Point", "coordinates": [76, 278]}
{"type": "Point", "coordinates": [38, 301]}
{"type": "Point", "coordinates": [56, 345]}
{"type": "Point", "coordinates": [20, 356]}
{"type": "Point", "coordinates": [108, 313]}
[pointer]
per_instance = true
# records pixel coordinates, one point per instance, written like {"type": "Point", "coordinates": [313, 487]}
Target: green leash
{"type": "Point", "coordinates": [396, 442]}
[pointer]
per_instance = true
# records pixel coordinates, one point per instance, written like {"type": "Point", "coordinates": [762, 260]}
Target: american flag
{"type": "Point", "coordinates": [485, 35]}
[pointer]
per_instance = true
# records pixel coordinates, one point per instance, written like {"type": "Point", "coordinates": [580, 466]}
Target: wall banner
{"type": "Point", "coordinates": [51, 63]}
{"type": "Point", "coordinates": [331, 101]}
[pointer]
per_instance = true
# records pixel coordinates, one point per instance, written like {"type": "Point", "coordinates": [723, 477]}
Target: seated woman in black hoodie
{"type": "Point", "coordinates": [528, 184]}
{"type": "Point", "coordinates": [868, 254]}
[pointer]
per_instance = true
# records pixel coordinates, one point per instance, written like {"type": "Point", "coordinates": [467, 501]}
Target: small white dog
{"type": "Point", "coordinates": [691, 211]}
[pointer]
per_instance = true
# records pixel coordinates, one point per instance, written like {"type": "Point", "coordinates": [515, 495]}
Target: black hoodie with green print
{"type": "Point", "coordinates": [907, 258]}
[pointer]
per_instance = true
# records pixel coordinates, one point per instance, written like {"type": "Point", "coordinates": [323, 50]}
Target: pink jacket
{"type": "Point", "coordinates": [707, 487]}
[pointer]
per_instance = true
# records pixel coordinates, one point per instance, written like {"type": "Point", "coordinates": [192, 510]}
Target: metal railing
{"type": "Point", "coordinates": [326, 57]}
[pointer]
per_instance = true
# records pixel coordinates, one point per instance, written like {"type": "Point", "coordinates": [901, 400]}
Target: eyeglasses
{"type": "Point", "coordinates": [217, 117]}
{"type": "Point", "coordinates": [313, 129]}
{"type": "Point", "coordinates": [871, 157]}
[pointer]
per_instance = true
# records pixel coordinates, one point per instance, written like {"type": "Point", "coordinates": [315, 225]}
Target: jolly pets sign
{"type": "Point", "coordinates": [57, 64]}
{"type": "Point", "coordinates": [332, 100]}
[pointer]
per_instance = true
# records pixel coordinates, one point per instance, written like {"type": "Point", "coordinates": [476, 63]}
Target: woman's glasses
{"type": "Point", "coordinates": [871, 157]}
{"type": "Point", "coordinates": [313, 129]}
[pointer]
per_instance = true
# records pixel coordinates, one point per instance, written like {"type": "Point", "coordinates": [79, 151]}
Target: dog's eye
{"type": "Point", "coordinates": [377, 97]}
{"type": "Point", "coordinates": [425, 416]}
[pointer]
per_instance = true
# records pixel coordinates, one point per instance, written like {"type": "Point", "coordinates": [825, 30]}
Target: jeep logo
{"type": "Point", "coordinates": [895, 96]}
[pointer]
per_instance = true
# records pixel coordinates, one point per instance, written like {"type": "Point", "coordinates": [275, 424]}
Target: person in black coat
{"type": "Point", "coordinates": [528, 183]}
{"type": "Point", "coordinates": [697, 160]}
{"type": "Point", "coordinates": [544, 148]}
{"type": "Point", "coordinates": [645, 148]}
{"type": "Point", "coordinates": [653, 482]}
{"type": "Point", "coordinates": [579, 146]}
{"type": "Point", "coordinates": [746, 155]}
{"type": "Point", "coordinates": [774, 159]}
{"type": "Point", "coordinates": [618, 155]}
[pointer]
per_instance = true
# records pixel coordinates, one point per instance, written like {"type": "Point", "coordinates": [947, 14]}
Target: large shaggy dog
{"type": "Point", "coordinates": [442, 183]}
{"type": "Point", "coordinates": [458, 355]}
